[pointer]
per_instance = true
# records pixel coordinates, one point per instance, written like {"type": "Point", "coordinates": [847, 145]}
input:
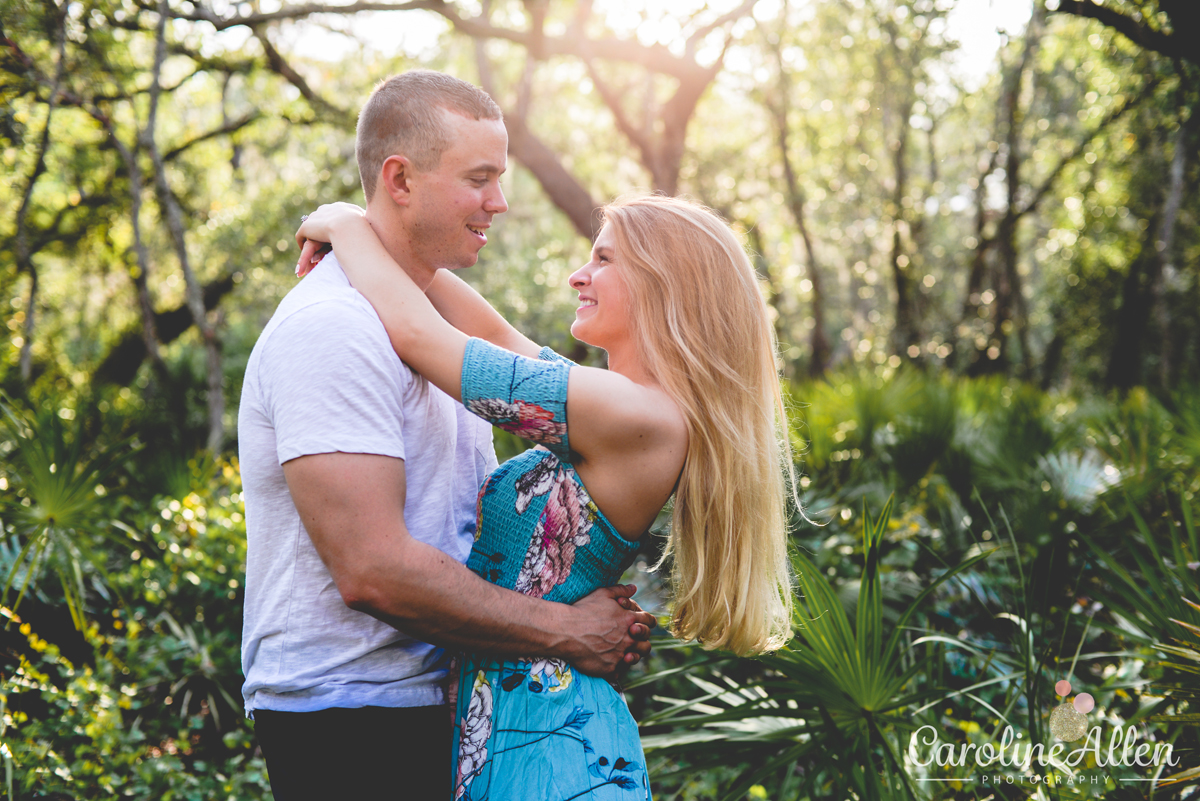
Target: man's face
{"type": "Point", "coordinates": [452, 205]}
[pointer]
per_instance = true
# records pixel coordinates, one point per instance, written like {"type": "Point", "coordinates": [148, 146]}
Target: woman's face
{"type": "Point", "coordinates": [602, 319]}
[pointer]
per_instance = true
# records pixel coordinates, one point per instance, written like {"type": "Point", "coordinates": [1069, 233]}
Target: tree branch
{"type": "Point", "coordinates": [613, 100]}
{"type": "Point", "coordinates": [1048, 184]}
{"type": "Point", "coordinates": [294, 12]}
{"type": "Point", "coordinates": [141, 270]}
{"type": "Point", "coordinates": [559, 185]}
{"type": "Point", "coordinates": [796, 199]}
{"type": "Point", "coordinates": [656, 57]}
{"type": "Point", "coordinates": [1174, 45]}
{"type": "Point", "coordinates": [174, 220]}
{"type": "Point", "coordinates": [23, 256]}
{"type": "Point", "coordinates": [279, 65]}
{"type": "Point", "coordinates": [121, 364]}
{"type": "Point", "coordinates": [230, 127]}
{"type": "Point", "coordinates": [731, 16]}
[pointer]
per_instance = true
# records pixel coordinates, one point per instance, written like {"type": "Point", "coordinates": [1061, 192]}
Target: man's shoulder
{"type": "Point", "coordinates": [325, 334]}
{"type": "Point", "coordinates": [325, 296]}
{"type": "Point", "coordinates": [322, 310]}
{"type": "Point", "coordinates": [324, 315]}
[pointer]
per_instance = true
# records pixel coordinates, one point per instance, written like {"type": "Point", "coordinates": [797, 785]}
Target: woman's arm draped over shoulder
{"type": "Point", "coordinates": [610, 416]}
{"type": "Point", "coordinates": [420, 336]}
{"type": "Point", "coordinates": [455, 299]}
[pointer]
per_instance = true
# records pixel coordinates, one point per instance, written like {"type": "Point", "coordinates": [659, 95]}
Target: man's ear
{"type": "Point", "coordinates": [395, 178]}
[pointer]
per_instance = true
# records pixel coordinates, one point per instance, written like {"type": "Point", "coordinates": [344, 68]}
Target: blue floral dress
{"type": "Point", "coordinates": [536, 728]}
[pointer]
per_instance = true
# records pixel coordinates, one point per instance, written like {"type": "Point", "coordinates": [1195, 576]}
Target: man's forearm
{"type": "Point", "coordinates": [352, 506]}
{"type": "Point", "coordinates": [428, 595]}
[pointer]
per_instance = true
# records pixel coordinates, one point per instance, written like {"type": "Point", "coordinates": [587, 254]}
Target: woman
{"type": "Point", "coordinates": [689, 406]}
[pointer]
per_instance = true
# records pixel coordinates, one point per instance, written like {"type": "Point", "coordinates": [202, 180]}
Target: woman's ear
{"type": "Point", "coordinates": [395, 177]}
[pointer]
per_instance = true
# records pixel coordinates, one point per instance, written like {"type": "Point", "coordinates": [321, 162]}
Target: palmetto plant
{"type": "Point", "coordinates": [1182, 665]}
{"type": "Point", "coordinates": [53, 513]}
{"type": "Point", "coordinates": [190, 654]}
{"type": "Point", "coordinates": [1144, 439]}
{"type": "Point", "coordinates": [1154, 605]}
{"type": "Point", "coordinates": [843, 691]}
{"type": "Point", "coordinates": [1152, 596]}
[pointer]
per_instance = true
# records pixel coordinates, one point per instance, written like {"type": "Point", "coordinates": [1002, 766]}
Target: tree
{"type": "Point", "coordinates": [666, 86]}
{"type": "Point", "coordinates": [1140, 21]}
{"type": "Point", "coordinates": [779, 107]}
{"type": "Point", "coordinates": [100, 73]}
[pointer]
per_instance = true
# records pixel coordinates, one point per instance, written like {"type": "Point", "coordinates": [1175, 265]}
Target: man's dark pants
{"type": "Point", "coordinates": [368, 753]}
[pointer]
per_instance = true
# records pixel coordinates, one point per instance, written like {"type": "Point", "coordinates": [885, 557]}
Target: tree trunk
{"type": "Point", "coordinates": [905, 335]}
{"type": "Point", "coordinates": [23, 254]}
{"type": "Point", "coordinates": [821, 352]}
{"type": "Point", "coordinates": [897, 125]}
{"type": "Point", "coordinates": [141, 270]}
{"type": "Point", "coordinates": [25, 360]}
{"type": "Point", "coordinates": [763, 267]}
{"type": "Point", "coordinates": [174, 220]}
{"type": "Point", "coordinates": [556, 181]}
{"type": "Point", "coordinates": [1142, 290]}
{"type": "Point", "coordinates": [1125, 362]}
{"type": "Point", "coordinates": [1164, 245]}
{"type": "Point", "coordinates": [1009, 312]}
{"type": "Point", "coordinates": [1010, 298]}
{"type": "Point", "coordinates": [969, 321]}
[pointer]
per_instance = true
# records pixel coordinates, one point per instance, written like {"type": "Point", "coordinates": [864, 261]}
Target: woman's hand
{"type": "Point", "coordinates": [317, 231]}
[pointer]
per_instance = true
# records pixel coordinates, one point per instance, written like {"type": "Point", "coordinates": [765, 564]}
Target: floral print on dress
{"type": "Point", "coordinates": [519, 721]}
{"type": "Point", "coordinates": [564, 525]}
{"type": "Point", "coordinates": [537, 481]}
{"type": "Point", "coordinates": [520, 417]}
{"type": "Point", "coordinates": [548, 675]}
{"type": "Point", "coordinates": [474, 731]}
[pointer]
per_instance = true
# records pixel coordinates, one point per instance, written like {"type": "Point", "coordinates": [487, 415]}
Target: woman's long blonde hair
{"type": "Point", "coordinates": [702, 330]}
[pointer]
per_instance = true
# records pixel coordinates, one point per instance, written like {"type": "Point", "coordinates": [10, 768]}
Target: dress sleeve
{"type": "Point", "coordinates": [527, 397]}
{"type": "Point", "coordinates": [548, 355]}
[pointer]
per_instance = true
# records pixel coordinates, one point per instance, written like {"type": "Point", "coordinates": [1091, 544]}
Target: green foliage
{"type": "Point", "coordinates": [901, 620]}
{"type": "Point", "coordinates": [1043, 482]}
{"type": "Point", "coordinates": [845, 683]}
{"type": "Point", "coordinates": [1148, 587]}
{"type": "Point", "coordinates": [88, 732]}
{"type": "Point", "coordinates": [151, 706]}
{"type": "Point", "coordinates": [55, 510]}
{"type": "Point", "coordinates": [130, 562]}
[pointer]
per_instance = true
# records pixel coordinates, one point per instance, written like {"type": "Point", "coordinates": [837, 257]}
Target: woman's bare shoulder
{"type": "Point", "coordinates": [622, 414]}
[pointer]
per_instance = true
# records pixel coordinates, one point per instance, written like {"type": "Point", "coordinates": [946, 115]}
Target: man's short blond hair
{"type": "Point", "coordinates": [403, 117]}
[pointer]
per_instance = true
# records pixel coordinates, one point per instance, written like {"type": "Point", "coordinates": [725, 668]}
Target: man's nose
{"type": "Point", "coordinates": [495, 203]}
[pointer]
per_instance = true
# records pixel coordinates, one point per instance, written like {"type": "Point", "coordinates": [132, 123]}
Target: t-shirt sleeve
{"type": "Point", "coordinates": [527, 397]}
{"type": "Point", "coordinates": [332, 383]}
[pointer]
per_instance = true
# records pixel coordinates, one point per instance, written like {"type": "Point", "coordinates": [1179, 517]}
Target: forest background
{"type": "Point", "coordinates": [983, 273]}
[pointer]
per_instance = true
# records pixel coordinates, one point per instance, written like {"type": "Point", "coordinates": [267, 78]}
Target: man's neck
{"type": "Point", "coordinates": [396, 242]}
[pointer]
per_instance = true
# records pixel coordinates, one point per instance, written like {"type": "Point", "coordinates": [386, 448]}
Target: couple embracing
{"type": "Point", "coordinates": [370, 479]}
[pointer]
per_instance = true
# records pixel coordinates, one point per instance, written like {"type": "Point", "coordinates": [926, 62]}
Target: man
{"type": "Point", "coordinates": [360, 484]}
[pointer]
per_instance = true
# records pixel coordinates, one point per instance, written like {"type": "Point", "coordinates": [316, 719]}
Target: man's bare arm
{"type": "Point", "coordinates": [352, 506]}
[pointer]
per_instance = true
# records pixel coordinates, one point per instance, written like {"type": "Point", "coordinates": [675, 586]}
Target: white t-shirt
{"type": "Point", "coordinates": [323, 378]}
